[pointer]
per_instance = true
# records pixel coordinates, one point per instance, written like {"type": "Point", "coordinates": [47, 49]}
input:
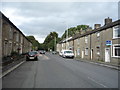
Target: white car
{"type": "Point", "coordinates": [60, 53]}
{"type": "Point", "coordinates": [67, 54]}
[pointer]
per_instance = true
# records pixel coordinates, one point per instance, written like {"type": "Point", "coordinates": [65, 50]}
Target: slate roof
{"type": "Point", "coordinates": [110, 25]}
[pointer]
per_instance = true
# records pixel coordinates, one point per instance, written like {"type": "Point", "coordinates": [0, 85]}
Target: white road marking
{"type": "Point", "coordinates": [39, 55]}
{"type": "Point", "coordinates": [44, 57]}
{"type": "Point", "coordinates": [97, 82]}
{"type": "Point", "coordinates": [47, 58]}
{"type": "Point", "coordinates": [11, 69]}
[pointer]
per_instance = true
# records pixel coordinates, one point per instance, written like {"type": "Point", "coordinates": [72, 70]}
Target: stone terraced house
{"type": "Point", "coordinates": [12, 39]}
{"type": "Point", "coordinates": [102, 43]}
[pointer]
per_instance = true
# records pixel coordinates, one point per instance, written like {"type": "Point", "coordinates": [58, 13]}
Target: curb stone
{"type": "Point", "coordinates": [101, 64]}
{"type": "Point", "coordinates": [11, 69]}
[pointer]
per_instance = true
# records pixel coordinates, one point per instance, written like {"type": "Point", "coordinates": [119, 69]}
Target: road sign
{"type": "Point", "coordinates": [108, 43]}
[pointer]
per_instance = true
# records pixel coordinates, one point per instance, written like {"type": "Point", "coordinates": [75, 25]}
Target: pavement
{"type": "Point", "coordinates": [109, 65]}
{"type": "Point", "coordinates": [53, 71]}
{"type": "Point", "coordinates": [10, 67]}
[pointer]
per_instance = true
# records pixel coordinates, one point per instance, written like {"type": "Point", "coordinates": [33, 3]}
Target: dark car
{"type": "Point", "coordinates": [42, 51]}
{"type": "Point", "coordinates": [33, 55]}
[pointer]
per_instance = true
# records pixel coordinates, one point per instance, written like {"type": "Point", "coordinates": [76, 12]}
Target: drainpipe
{"type": "Point", "coordinates": [73, 47]}
{"type": "Point", "coordinates": [90, 46]}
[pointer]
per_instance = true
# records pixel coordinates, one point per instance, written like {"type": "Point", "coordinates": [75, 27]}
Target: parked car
{"type": "Point", "coordinates": [67, 54]}
{"type": "Point", "coordinates": [33, 55]}
{"type": "Point", "coordinates": [42, 51]}
{"type": "Point", "coordinates": [54, 52]}
{"type": "Point", "coordinates": [60, 53]}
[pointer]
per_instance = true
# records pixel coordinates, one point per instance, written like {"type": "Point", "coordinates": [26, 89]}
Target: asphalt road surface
{"type": "Point", "coordinates": [53, 71]}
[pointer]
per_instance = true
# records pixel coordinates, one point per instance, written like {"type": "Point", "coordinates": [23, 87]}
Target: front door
{"type": "Point", "coordinates": [82, 54]}
{"type": "Point", "coordinates": [107, 54]}
{"type": "Point", "coordinates": [91, 54]}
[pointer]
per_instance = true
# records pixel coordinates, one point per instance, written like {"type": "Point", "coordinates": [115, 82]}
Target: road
{"type": "Point", "coordinates": [53, 71]}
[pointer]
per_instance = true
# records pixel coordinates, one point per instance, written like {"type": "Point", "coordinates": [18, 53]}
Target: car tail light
{"type": "Point", "coordinates": [36, 55]}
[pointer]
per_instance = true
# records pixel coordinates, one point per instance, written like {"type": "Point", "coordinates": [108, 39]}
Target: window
{"type": "Point", "coordinates": [98, 46]}
{"type": "Point", "coordinates": [86, 39]}
{"type": "Point", "coordinates": [98, 49]}
{"type": "Point", "coordinates": [78, 51]}
{"type": "Point", "coordinates": [98, 34]}
{"type": "Point", "coordinates": [116, 50]}
{"type": "Point", "coordinates": [86, 51]}
{"type": "Point", "coordinates": [10, 33]}
{"type": "Point", "coordinates": [98, 52]}
{"type": "Point", "coordinates": [78, 41]}
{"type": "Point", "coordinates": [62, 44]}
{"type": "Point", "coordinates": [21, 39]}
{"type": "Point", "coordinates": [17, 37]}
{"type": "Point", "coordinates": [116, 32]}
{"type": "Point", "coordinates": [10, 47]}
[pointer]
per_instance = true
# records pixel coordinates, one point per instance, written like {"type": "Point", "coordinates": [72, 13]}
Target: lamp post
{"type": "Point", "coordinates": [66, 41]}
{"type": "Point", "coordinates": [55, 43]}
{"type": "Point", "coordinates": [67, 36]}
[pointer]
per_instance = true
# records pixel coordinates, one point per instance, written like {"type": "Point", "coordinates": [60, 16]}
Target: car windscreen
{"type": "Point", "coordinates": [68, 52]}
{"type": "Point", "coordinates": [32, 53]}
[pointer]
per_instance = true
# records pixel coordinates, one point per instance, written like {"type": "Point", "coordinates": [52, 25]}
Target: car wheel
{"type": "Point", "coordinates": [36, 58]}
{"type": "Point", "coordinates": [27, 59]}
{"type": "Point", "coordinates": [64, 56]}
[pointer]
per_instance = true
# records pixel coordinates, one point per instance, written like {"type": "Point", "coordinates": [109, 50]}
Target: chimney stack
{"type": "Point", "coordinates": [96, 26]}
{"type": "Point", "coordinates": [108, 20]}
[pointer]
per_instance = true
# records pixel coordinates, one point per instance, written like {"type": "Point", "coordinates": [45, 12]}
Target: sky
{"type": "Point", "coordinates": [41, 18]}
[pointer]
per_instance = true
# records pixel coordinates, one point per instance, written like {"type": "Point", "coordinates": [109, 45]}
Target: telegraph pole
{"type": "Point", "coordinates": [54, 43]}
{"type": "Point", "coordinates": [66, 35]}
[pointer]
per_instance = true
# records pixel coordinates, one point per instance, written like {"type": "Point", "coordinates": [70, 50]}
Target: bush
{"type": "Point", "coordinates": [14, 53]}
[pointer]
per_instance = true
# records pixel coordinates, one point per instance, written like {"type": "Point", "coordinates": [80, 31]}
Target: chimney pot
{"type": "Point", "coordinates": [108, 20]}
{"type": "Point", "coordinates": [96, 26]}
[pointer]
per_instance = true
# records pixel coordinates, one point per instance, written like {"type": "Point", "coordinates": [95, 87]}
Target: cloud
{"type": "Point", "coordinates": [41, 18]}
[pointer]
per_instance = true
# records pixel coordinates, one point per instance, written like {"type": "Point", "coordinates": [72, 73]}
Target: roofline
{"type": "Point", "coordinates": [3, 16]}
{"type": "Point", "coordinates": [99, 29]}
{"type": "Point", "coordinates": [117, 22]}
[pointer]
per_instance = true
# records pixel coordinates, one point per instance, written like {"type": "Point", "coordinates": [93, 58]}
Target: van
{"type": "Point", "coordinates": [67, 54]}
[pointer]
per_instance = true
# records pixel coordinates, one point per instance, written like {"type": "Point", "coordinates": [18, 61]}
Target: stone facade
{"type": "Point", "coordinates": [0, 41]}
{"type": "Point", "coordinates": [13, 40]}
{"type": "Point", "coordinates": [98, 44]}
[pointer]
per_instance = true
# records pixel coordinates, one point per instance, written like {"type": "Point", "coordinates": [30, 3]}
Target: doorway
{"type": "Point", "coordinates": [82, 54]}
{"type": "Point", "coordinates": [91, 54]}
{"type": "Point", "coordinates": [107, 54]}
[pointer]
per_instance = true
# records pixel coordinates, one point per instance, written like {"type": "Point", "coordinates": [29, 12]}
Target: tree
{"type": "Point", "coordinates": [35, 43]}
{"type": "Point", "coordinates": [73, 30]}
{"type": "Point", "coordinates": [49, 41]}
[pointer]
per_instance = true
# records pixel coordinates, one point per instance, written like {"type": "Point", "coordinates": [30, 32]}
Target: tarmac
{"type": "Point", "coordinates": [109, 65]}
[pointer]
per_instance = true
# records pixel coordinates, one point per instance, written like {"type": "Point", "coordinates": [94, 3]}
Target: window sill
{"type": "Point", "coordinates": [115, 56]}
{"type": "Point", "coordinates": [116, 38]}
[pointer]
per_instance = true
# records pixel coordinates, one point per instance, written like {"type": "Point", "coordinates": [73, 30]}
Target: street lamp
{"type": "Point", "coordinates": [66, 34]}
{"type": "Point", "coordinates": [66, 41]}
{"type": "Point", "coordinates": [55, 43]}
